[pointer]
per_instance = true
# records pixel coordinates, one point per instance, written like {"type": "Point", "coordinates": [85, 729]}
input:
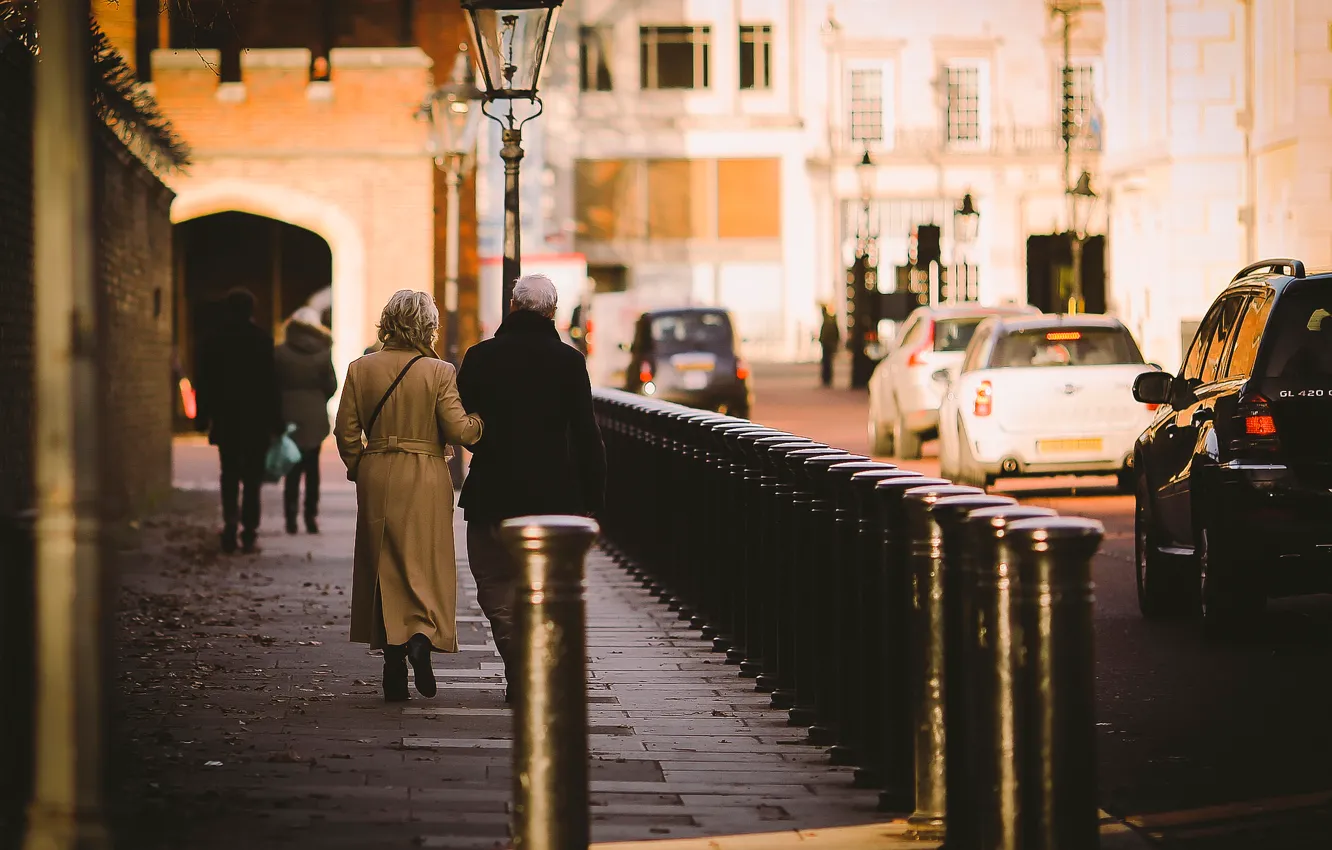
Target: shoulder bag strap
{"type": "Point", "coordinates": [393, 386]}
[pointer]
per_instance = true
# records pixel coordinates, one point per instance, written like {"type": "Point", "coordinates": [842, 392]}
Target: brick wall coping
{"type": "Point", "coordinates": [284, 57]}
{"type": "Point", "coordinates": [378, 57]}
{"type": "Point", "coordinates": [186, 60]}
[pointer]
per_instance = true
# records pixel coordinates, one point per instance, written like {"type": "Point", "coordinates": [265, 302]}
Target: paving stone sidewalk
{"type": "Point", "coordinates": [246, 718]}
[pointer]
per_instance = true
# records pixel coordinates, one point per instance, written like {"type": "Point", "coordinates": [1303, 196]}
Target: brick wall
{"type": "Point", "coordinates": [134, 269]}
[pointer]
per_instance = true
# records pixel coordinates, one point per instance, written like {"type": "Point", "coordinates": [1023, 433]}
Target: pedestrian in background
{"type": "Point", "coordinates": [542, 452]}
{"type": "Point", "coordinates": [830, 337]}
{"type": "Point", "coordinates": [238, 406]}
{"type": "Point", "coordinates": [398, 412]}
{"type": "Point", "coordinates": [306, 381]}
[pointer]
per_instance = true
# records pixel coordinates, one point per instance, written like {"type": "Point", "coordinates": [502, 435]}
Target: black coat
{"type": "Point", "coordinates": [307, 381]}
{"type": "Point", "coordinates": [540, 450]}
{"type": "Point", "coordinates": [236, 386]}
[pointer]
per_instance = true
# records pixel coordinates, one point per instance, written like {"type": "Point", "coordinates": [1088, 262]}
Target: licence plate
{"type": "Point", "coordinates": [1090, 444]}
{"type": "Point", "coordinates": [694, 380]}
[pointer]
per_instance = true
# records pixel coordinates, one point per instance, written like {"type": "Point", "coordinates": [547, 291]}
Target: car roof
{"type": "Point", "coordinates": [1058, 320]}
{"type": "Point", "coordinates": [1268, 274]}
{"type": "Point", "coordinates": [968, 311]}
{"type": "Point", "coordinates": [685, 311]}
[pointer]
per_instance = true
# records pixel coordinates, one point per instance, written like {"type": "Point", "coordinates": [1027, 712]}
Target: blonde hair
{"type": "Point", "coordinates": [409, 318]}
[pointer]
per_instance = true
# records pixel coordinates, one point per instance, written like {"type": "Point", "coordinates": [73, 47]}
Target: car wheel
{"type": "Point", "coordinates": [881, 441]}
{"type": "Point", "coordinates": [1161, 593]}
{"type": "Point", "coordinates": [906, 443]}
{"type": "Point", "coordinates": [1226, 601]}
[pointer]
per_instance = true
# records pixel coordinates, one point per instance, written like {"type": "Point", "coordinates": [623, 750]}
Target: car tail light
{"type": "Point", "coordinates": [644, 372]}
{"type": "Point", "coordinates": [741, 370]}
{"type": "Point", "coordinates": [926, 344]}
{"type": "Point", "coordinates": [1257, 427]}
{"type": "Point", "coordinates": [1151, 407]}
{"type": "Point", "coordinates": [984, 398]}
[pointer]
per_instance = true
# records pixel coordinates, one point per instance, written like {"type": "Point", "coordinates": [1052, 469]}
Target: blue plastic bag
{"type": "Point", "coordinates": [283, 454]}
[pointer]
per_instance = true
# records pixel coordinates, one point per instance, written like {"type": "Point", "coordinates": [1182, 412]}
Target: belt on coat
{"type": "Point", "coordinates": [381, 445]}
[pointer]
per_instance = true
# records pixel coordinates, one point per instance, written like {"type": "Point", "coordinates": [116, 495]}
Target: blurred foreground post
{"type": "Point", "coordinates": [66, 807]}
{"type": "Point", "coordinates": [550, 774]}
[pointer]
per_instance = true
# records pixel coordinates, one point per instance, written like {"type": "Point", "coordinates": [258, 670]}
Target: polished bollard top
{"type": "Point", "coordinates": [554, 534]}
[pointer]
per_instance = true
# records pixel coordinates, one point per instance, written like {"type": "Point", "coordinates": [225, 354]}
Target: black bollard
{"type": "Point", "coordinates": [778, 676]}
{"type": "Point", "coordinates": [959, 755]}
{"type": "Point", "coordinates": [796, 693]}
{"type": "Point", "coordinates": [992, 659]}
{"type": "Point", "coordinates": [898, 734]}
{"type": "Point", "coordinates": [743, 533]}
{"type": "Point", "coordinates": [927, 656]}
{"type": "Point", "coordinates": [762, 533]}
{"type": "Point", "coordinates": [819, 653]}
{"type": "Point", "coordinates": [849, 583]}
{"type": "Point", "coordinates": [550, 772]}
{"type": "Point", "coordinates": [873, 614]}
{"type": "Point", "coordinates": [1054, 613]}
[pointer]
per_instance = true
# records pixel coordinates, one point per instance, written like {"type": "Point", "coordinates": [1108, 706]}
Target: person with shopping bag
{"type": "Point", "coordinates": [237, 403]}
{"type": "Point", "coordinates": [306, 380]}
{"type": "Point", "coordinates": [398, 413]}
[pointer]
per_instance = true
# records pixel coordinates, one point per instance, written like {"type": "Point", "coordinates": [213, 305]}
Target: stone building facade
{"type": "Point", "coordinates": [1218, 151]}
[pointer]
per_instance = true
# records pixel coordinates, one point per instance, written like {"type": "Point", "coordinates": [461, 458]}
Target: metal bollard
{"type": "Point", "coordinates": [959, 755]}
{"type": "Point", "coordinates": [760, 533]}
{"type": "Point", "coordinates": [898, 738]}
{"type": "Point", "coordinates": [992, 661]}
{"type": "Point", "coordinates": [743, 532]}
{"type": "Point", "coordinates": [1054, 613]}
{"type": "Point", "coordinates": [550, 773]}
{"type": "Point", "coordinates": [926, 679]}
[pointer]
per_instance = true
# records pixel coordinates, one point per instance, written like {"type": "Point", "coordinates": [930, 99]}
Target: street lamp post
{"type": "Point", "coordinates": [966, 224]}
{"type": "Point", "coordinates": [512, 38]}
{"type": "Point", "coordinates": [454, 119]}
{"type": "Point", "coordinates": [863, 282]}
{"type": "Point", "coordinates": [1082, 199]}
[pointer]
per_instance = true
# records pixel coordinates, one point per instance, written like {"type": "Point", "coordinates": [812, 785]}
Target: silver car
{"type": "Point", "coordinates": [907, 386]}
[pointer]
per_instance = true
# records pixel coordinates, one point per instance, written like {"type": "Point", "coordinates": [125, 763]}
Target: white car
{"type": "Point", "coordinates": [906, 389]}
{"type": "Point", "coordinates": [1044, 395]}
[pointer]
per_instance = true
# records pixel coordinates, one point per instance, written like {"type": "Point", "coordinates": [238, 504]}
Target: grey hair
{"type": "Point", "coordinates": [537, 293]}
{"type": "Point", "coordinates": [409, 318]}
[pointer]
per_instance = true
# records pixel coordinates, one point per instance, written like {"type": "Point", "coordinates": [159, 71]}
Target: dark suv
{"type": "Point", "coordinates": [1234, 475]}
{"type": "Point", "coordinates": [689, 356]}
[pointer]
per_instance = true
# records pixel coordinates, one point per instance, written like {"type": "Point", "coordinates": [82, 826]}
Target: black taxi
{"type": "Point", "coordinates": [1233, 478]}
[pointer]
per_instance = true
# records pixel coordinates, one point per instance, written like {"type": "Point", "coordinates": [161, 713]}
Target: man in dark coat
{"type": "Point", "coordinates": [541, 452]}
{"type": "Point", "coordinates": [830, 336]}
{"type": "Point", "coordinates": [238, 404]}
{"type": "Point", "coordinates": [306, 380]}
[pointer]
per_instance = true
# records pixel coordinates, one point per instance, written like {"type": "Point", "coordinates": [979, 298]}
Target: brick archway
{"type": "Point", "coordinates": [315, 214]}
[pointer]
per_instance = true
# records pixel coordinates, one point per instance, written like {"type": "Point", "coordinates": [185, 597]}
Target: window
{"type": "Point", "coordinates": [865, 101]}
{"type": "Point", "coordinates": [976, 351]}
{"type": "Point", "coordinates": [1227, 319]}
{"type": "Point", "coordinates": [606, 199]}
{"type": "Point", "coordinates": [1302, 347]}
{"type": "Point", "coordinates": [954, 334]}
{"type": "Point", "coordinates": [594, 58]}
{"type": "Point", "coordinates": [678, 198]}
{"type": "Point", "coordinates": [674, 57]}
{"type": "Point", "coordinates": [756, 57]}
{"type": "Point", "coordinates": [965, 115]}
{"type": "Point", "coordinates": [1065, 346]}
{"type": "Point", "coordinates": [608, 278]}
{"type": "Point", "coordinates": [749, 199]}
{"type": "Point", "coordinates": [676, 332]}
{"type": "Point", "coordinates": [1248, 336]}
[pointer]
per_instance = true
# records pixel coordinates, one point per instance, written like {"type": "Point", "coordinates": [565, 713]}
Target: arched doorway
{"type": "Point", "coordinates": [285, 266]}
{"type": "Point", "coordinates": [197, 199]}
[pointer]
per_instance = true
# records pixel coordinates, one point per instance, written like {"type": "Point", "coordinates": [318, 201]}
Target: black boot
{"type": "Point", "coordinates": [249, 541]}
{"type": "Point", "coordinates": [418, 652]}
{"type": "Point", "coordinates": [228, 539]}
{"type": "Point", "coordinates": [291, 524]}
{"type": "Point", "coordinates": [311, 524]}
{"type": "Point", "coordinates": [395, 674]}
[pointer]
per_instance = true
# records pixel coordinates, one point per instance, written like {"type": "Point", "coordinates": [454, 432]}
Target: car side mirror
{"type": "Point", "coordinates": [624, 346]}
{"type": "Point", "coordinates": [1153, 387]}
{"type": "Point", "coordinates": [943, 376]}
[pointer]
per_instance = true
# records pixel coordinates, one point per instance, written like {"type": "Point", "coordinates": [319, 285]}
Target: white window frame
{"type": "Point", "coordinates": [983, 126]}
{"type": "Point", "coordinates": [887, 101]}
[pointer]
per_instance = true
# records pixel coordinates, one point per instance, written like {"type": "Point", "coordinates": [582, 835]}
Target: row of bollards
{"type": "Point", "coordinates": [936, 637]}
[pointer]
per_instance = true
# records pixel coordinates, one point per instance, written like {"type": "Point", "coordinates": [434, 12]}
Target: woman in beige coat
{"type": "Point", "coordinates": [404, 584]}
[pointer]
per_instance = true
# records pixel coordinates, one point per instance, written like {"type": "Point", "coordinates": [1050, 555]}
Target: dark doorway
{"type": "Point", "coordinates": [1050, 272]}
{"type": "Point", "coordinates": [286, 267]}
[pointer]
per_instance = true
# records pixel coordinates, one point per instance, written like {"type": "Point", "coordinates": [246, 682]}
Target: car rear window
{"type": "Point", "coordinates": [1301, 334]}
{"type": "Point", "coordinates": [1065, 346]}
{"type": "Point", "coordinates": [692, 332]}
{"type": "Point", "coordinates": [954, 334]}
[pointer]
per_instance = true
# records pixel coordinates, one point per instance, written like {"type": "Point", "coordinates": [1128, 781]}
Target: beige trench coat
{"type": "Point", "coordinates": [405, 576]}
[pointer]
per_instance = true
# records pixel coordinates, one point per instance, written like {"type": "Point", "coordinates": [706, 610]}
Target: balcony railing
{"type": "Point", "coordinates": [1006, 141]}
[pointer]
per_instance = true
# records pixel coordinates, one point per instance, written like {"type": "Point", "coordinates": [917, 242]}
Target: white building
{"type": "Point", "coordinates": [704, 152]}
{"type": "Point", "coordinates": [1218, 151]}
